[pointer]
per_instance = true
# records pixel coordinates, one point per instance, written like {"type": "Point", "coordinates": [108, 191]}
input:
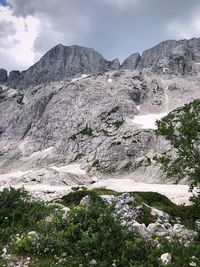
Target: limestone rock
{"type": "Point", "coordinates": [131, 62]}
{"type": "Point", "coordinates": [157, 229]}
{"type": "Point", "coordinates": [166, 258]}
{"type": "Point", "coordinates": [3, 76]}
{"type": "Point", "coordinates": [90, 120]}
{"type": "Point", "coordinates": [115, 64]}
{"type": "Point", "coordinates": [60, 63]}
{"type": "Point", "coordinates": [86, 201]}
{"type": "Point", "coordinates": [161, 216]}
{"type": "Point", "coordinates": [13, 76]}
{"type": "Point", "coordinates": [141, 228]}
{"type": "Point", "coordinates": [93, 262]}
{"type": "Point", "coordinates": [172, 57]}
{"type": "Point", "coordinates": [183, 234]}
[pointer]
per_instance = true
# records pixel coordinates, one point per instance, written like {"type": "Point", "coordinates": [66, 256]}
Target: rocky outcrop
{"type": "Point", "coordinates": [60, 63]}
{"type": "Point", "coordinates": [131, 62]}
{"type": "Point", "coordinates": [171, 57]}
{"type": "Point", "coordinates": [3, 76]}
{"type": "Point", "coordinates": [157, 222]}
{"type": "Point", "coordinates": [115, 64]}
{"type": "Point", "coordinates": [13, 76]}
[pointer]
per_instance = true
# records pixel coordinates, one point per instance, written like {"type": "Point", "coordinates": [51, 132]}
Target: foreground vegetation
{"type": "Point", "coordinates": [87, 236]}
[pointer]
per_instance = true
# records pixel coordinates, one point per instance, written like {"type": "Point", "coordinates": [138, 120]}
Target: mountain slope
{"type": "Point", "coordinates": [93, 121]}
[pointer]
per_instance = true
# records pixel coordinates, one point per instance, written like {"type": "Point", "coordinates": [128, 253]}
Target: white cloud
{"type": "Point", "coordinates": [17, 43]}
{"type": "Point", "coordinates": [61, 21]}
{"type": "Point", "coordinates": [185, 29]}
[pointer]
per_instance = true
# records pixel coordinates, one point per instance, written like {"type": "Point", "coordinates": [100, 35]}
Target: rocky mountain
{"type": "Point", "coordinates": [97, 121]}
{"type": "Point", "coordinates": [172, 57]}
{"type": "Point", "coordinates": [60, 63]}
{"type": "Point", "coordinates": [64, 62]}
{"type": "Point", "coordinates": [102, 122]}
{"type": "Point", "coordinates": [131, 62]}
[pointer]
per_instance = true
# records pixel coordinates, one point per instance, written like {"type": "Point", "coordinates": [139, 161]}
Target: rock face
{"type": "Point", "coordinates": [79, 119]}
{"type": "Point", "coordinates": [89, 120]}
{"type": "Point", "coordinates": [3, 76]}
{"type": "Point", "coordinates": [13, 76]}
{"type": "Point", "coordinates": [115, 64]}
{"type": "Point", "coordinates": [171, 57]}
{"type": "Point", "coordinates": [131, 62]}
{"type": "Point", "coordinates": [62, 62]}
{"type": "Point", "coordinates": [131, 213]}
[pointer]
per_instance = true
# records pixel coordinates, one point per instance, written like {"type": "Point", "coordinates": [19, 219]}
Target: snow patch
{"type": "Point", "coordinates": [12, 92]}
{"type": "Point", "coordinates": [110, 80]}
{"type": "Point", "coordinates": [148, 121]}
{"type": "Point", "coordinates": [16, 174]}
{"type": "Point", "coordinates": [82, 77]}
{"type": "Point", "coordinates": [73, 168]}
{"type": "Point", "coordinates": [138, 107]}
{"type": "Point", "coordinates": [179, 194]}
{"type": "Point", "coordinates": [42, 153]}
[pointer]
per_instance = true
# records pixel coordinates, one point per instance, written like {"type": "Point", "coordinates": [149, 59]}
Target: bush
{"type": "Point", "coordinates": [17, 212]}
{"type": "Point", "coordinates": [74, 198]}
{"type": "Point", "coordinates": [92, 233]}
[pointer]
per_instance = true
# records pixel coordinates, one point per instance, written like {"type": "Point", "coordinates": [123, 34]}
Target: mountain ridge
{"type": "Point", "coordinates": [62, 62]}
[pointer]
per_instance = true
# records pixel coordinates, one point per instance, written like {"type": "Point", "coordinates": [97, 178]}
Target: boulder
{"type": "Point", "coordinates": [93, 262]}
{"type": "Point", "coordinates": [86, 201]}
{"type": "Point", "coordinates": [182, 233]}
{"type": "Point", "coordinates": [157, 229]}
{"type": "Point", "coordinates": [166, 258]}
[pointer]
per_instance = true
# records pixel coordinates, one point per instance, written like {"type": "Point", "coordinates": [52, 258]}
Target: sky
{"type": "Point", "coordinates": [115, 28]}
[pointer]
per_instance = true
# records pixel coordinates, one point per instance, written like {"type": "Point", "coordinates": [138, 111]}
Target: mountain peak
{"type": "Point", "coordinates": [62, 62]}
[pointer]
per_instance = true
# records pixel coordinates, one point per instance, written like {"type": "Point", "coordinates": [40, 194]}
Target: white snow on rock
{"type": "Point", "coordinates": [42, 153]}
{"type": "Point", "coordinates": [179, 194]}
{"type": "Point", "coordinates": [73, 168]}
{"type": "Point", "coordinates": [148, 121]}
{"type": "Point", "coordinates": [110, 80]}
{"type": "Point", "coordinates": [16, 174]}
{"type": "Point", "coordinates": [82, 77]}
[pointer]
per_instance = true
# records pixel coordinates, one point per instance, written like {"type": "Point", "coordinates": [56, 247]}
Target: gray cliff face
{"type": "Point", "coordinates": [80, 120]}
{"type": "Point", "coordinates": [60, 63]}
{"type": "Point", "coordinates": [13, 76]}
{"type": "Point", "coordinates": [131, 62]}
{"type": "Point", "coordinates": [88, 120]}
{"type": "Point", "coordinates": [97, 120]}
{"type": "Point", "coordinates": [115, 64]}
{"type": "Point", "coordinates": [3, 76]}
{"type": "Point", "coordinates": [63, 62]}
{"type": "Point", "coordinates": [170, 57]}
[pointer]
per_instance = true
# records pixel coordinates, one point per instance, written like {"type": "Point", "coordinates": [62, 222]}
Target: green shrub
{"type": "Point", "coordinates": [17, 212]}
{"type": "Point", "coordinates": [182, 255]}
{"type": "Point", "coordinates": [74, 198]}
{"type": "Point", "coordinates": [92, 233]}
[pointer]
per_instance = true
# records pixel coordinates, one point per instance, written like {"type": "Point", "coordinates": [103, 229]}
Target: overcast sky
{"type": "Point", "coordinates": [115, 28]}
